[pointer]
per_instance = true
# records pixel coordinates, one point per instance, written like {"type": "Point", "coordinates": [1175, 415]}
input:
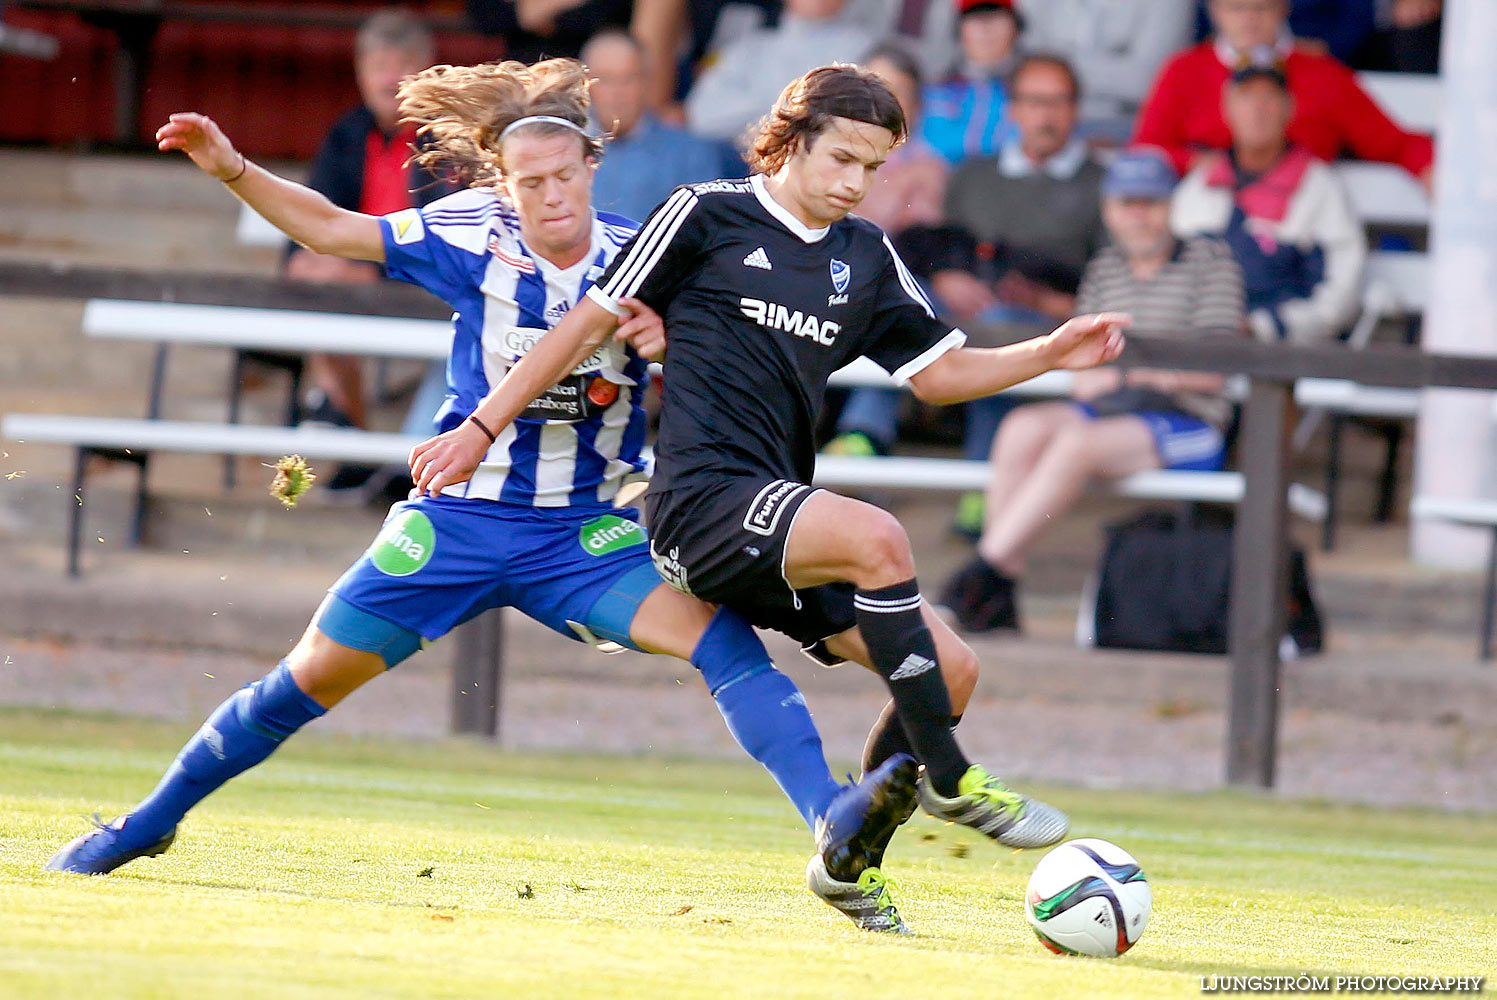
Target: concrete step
{"type": "Point", "coordinates": [139, 211]}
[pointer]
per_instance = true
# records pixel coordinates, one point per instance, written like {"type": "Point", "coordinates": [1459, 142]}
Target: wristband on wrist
{"type": "Point", "coordinates": [479, 424]}
{"type": "Point", "coordinates": [243, 166]}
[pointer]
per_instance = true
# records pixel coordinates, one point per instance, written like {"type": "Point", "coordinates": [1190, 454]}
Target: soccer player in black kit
{"type": "Point", "coordinates": [767, 286]}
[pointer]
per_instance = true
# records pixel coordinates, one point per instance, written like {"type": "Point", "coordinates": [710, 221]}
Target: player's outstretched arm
{"type": "Point", "coordinates": [968, 372]}
{"type": "Point", "coordinates": [451, 457]}
{"type": "Point", "coordinates": [296, 210]}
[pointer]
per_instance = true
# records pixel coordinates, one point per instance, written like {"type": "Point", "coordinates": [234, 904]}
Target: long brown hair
{"type": "Point", "coordinates": [808, 104]}
{"type": "Point", "coordinates": [460, 112]}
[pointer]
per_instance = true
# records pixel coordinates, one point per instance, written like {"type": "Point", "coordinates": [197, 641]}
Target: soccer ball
{"type": "Point", "coordinates": [1088, 897]}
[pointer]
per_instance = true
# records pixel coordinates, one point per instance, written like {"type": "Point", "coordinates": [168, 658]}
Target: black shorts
{"type": "Point", "coordinates": [724, 542]}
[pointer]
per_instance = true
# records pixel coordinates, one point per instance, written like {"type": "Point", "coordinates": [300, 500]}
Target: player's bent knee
{"type": "Point", "coordinates": [885, 551]}
{"type": "Point", "coordinates": [959, 667]}
{"type": "Point", "coordinates": [357, 629]}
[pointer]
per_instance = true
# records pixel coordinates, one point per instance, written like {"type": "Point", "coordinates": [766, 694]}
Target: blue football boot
{"type": "Point", "coordinates": [99, 851]}
{"type": "Point", "coordinates": [861, 819]}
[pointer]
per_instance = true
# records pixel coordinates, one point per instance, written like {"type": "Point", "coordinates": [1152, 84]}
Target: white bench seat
{"type": "Point", "coordinates": [245, 328]}
{"type": "Point", "coordinates": [1345, 396]}
{"type": "Point", "coordinates": [907, 472]}
{"type": "Point", "coordinates": [135, 439]}
{"type": "Point", "coordinates": [299, 331]}
{"type": "Point", "coordinates": [205, 437]}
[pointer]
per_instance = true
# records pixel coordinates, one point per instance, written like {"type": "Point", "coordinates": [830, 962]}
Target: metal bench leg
{"type": "Point", "coordinates": [1488, 595]}
{"type": "Point", "coordinates": [477, 673]}
{"type": "Point", "coordinates": [236, 382]}
{"type": "Point", "coordinates": [158, 382]}
{"type": "Point", "coordinates": [138, 528]}
{"type": "Point", "coordinates": [1332, 481]}
{"type": "Point", "coordinates": [1387, 490]}
{"type": "Point", "coordinates": [75, 513]}
{"type": "Point", "coordinates": [293, 405]}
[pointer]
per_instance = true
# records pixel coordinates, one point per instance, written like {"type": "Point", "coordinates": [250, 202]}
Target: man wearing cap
{"type": "Point", "coordinates": [1333, 114]}
{"type": "Point", "coordinates": [1284, 213]}
{"type": "Point", "coordinates": [1120, 421]}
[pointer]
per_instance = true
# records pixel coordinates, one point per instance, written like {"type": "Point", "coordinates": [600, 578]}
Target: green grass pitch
{"type": "Point", "coordinates": [381, 869]}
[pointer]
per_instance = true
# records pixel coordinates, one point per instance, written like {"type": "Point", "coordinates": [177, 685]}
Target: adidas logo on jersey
{"type": "Point", "coordinates": [758, 259]}
{"type": "Point", "coordinates": [913, 666]}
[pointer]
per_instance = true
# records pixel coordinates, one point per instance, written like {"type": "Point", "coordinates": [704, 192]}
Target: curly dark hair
{"type": "Point", "coordinates": [809, 103]}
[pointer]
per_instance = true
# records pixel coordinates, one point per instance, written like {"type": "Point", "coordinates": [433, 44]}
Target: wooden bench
{"type": "Point", "coordinates": [133, 440]}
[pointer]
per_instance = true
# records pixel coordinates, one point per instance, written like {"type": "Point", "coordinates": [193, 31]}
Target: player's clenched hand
{"type": "Point", "coordinates": [203, 141]}
{"type": "Point", "coordinates": [644, 329]}
{"type": "Point", "coordinates": [1085, 341]}
{"type": "Point", "coordinates": [448, 458]}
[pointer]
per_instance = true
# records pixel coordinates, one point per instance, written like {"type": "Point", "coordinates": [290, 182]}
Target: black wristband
{"type": "Point", "coordinates": [243, 166]}
{"type": "Point", "coordinates": [479, 424]}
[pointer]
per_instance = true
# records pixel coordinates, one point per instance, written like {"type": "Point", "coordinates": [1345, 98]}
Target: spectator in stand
{"type": "Point", "coordinates": [645, 158]}
{"type": "Point", "coordinates": [678, 37]}
{"type": "Point", "coordinates": [908, 191]}
{"type": "Point", "coordinates": [910, 188]}
{"type": "Point", "coordinates": [965, 115]}
{"type": "Point", "coordinates": [1019, 229]}
{"type": "Point", "coordinates": [1283, 212]}
{"type": "Point", "coordinates": [1120, 421]}
{"type": "Point", "coordinates": [1339, 27]}
{"type": "Point", "coordinates": [539, 29]}
{"type": "Point", "coordinates": [1117, 46]}
{"type": "Point", "coordinates": [1332, 112]}
{"type": "Point", "coordinates": [363, 166]}
{"type": "Point", "coordinates": [1409, 44]}
{"type": "Point", "coordinates": [750, 73]}
{"type": "Point", "coordinates": [926, 29]}
{"type": "Point", "coordinates": [1022, 223]}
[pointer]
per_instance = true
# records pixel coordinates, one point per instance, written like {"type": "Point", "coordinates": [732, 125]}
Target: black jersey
{"type": "Point", "coordinates": [759, 311]}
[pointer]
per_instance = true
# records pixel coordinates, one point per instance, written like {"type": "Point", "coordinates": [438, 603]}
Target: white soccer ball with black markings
{"type": "Point", "coordinates": [1088, 897]}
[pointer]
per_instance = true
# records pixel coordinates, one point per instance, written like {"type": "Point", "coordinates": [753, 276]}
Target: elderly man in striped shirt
{"type": "Point", "coordinates": [1120, 421]}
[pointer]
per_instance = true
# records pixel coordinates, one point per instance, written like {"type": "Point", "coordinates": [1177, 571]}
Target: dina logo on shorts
{"type": "Point", "coordinates": [609, 533]}
{"type": "Point", "coordinates": [405, 545]}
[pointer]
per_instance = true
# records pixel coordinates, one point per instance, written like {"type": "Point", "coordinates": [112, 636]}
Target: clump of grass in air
{"type": "Point", "coordinates": [293, 478]}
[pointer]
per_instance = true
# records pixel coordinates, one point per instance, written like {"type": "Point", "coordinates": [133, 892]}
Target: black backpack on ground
{"type": "Point", "coordinates": [1164, 585]}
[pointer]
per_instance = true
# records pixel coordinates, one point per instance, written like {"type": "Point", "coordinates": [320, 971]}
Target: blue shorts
{"type": "Point", "coordinates": [439, 561]}
{"type": "Point", "coordinates": [1182, 442]}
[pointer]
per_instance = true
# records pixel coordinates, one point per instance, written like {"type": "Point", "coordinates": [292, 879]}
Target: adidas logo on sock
{"type": "Point", "coordinates": [794, 699]}
{"type": "Point", "coordinates": [759, 259]}
{"type": "Point", "coordinates": [913, 666]}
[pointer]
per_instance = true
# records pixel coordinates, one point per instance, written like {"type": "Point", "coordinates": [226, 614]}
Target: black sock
{"type": "Point", "coordinates": [904, 653]}
{"type": "Point", "coordinates": [887, 738]}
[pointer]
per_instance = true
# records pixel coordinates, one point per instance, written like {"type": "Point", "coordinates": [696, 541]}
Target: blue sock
{"type": "Point", "coordinates": [765, 712]}
{"type": "Point", "coordinates": [240, 733]}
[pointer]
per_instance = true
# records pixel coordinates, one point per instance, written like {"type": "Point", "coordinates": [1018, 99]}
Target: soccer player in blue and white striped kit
{"type": "Point", "coordinates": [535, 527]}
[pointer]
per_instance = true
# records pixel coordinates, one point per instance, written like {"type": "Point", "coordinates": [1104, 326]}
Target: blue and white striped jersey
{"type": "Point", "coordinates": [580, 441]}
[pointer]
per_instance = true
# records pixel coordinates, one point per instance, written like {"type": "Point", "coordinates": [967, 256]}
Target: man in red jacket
{"type": "Point", "coordinates": [1333, 114]}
